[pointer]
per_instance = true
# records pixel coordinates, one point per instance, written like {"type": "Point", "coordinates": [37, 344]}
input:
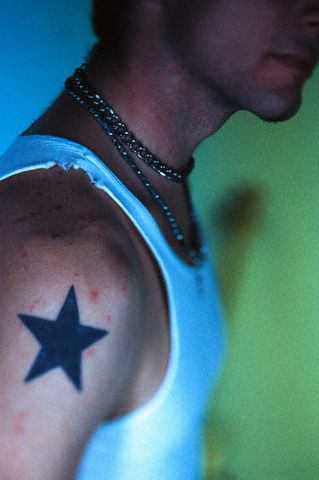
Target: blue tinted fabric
{"type": "Point", "coordinates": [162, 439]}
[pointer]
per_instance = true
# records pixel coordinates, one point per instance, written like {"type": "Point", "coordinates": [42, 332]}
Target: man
{"type": "Point", "coordinates": [111, 337]}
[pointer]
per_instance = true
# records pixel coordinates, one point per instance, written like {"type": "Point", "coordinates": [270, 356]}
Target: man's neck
{"type": "Point", "coordinates": [168, 112]}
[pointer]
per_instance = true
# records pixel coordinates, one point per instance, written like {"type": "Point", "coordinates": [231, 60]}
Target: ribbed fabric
{"type": "Point", "coordinates": [161, 440]}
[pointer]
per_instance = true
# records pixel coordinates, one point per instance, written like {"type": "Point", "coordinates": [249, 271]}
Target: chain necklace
{"type": "Point", "coordinates": [120, 129]}
{"type": "Point", "coordinates": [78, 87]}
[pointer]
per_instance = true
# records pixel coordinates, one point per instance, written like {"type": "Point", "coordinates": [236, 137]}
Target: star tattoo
{"type": "Point", "coordinates": [62, 341]}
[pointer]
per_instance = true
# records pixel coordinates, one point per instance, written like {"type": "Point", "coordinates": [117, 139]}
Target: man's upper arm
{"type": "Point", "coordinates": [67, 318]}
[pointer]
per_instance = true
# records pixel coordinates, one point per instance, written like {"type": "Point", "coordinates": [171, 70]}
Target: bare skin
{"type": "Point", "coordinates": [188, 70]}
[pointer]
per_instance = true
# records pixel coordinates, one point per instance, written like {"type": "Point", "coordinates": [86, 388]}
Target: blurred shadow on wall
{"type": "Point", "coordinates": [237, 219]}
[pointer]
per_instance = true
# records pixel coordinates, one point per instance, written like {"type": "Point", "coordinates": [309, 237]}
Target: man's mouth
{"type": "Point", "coordinates": [304, 64]}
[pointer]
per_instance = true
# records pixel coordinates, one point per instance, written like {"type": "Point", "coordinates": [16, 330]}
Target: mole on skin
{"type": "Point", "coordinates": [89, 353]}
{"type": "Point", "coordinates": [18, 423]}
{"type": "Point", "coordinates": [94, 295]}
{"type": "Point", "coordinates": [107, 320]}
{"type": "Point", "coordinates": [33, 306]}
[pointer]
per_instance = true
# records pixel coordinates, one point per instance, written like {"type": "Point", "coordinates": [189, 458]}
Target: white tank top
{"type": "Point", "coordinates": [162, 439]}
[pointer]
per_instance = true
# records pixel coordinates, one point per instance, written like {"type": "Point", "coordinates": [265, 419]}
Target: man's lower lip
{"type": "Point", "coordinates": [295, 65]}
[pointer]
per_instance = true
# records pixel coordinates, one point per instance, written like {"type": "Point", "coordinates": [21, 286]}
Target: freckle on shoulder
{"type": "Point", "coordinates": [94, 295]}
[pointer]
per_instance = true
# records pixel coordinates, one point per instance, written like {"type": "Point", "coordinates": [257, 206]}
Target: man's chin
{"type": "Point", "coordinates": [284, 116]}
{"type": "Point", "coordinates": [279, 111]}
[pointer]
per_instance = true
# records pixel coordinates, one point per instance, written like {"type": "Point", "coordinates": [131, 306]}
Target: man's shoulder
{"type": "Point", "coordinates": [56, 230]}
{"type": "Point", "coordinates": [62, 208]}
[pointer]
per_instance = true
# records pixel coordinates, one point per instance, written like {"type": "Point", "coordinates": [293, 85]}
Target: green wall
{"type": "Point", "coordinates": [264, 420]}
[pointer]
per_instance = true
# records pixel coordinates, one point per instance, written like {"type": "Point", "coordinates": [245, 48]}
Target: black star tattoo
{"type": "Point", "coordinates": [62, 341]}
